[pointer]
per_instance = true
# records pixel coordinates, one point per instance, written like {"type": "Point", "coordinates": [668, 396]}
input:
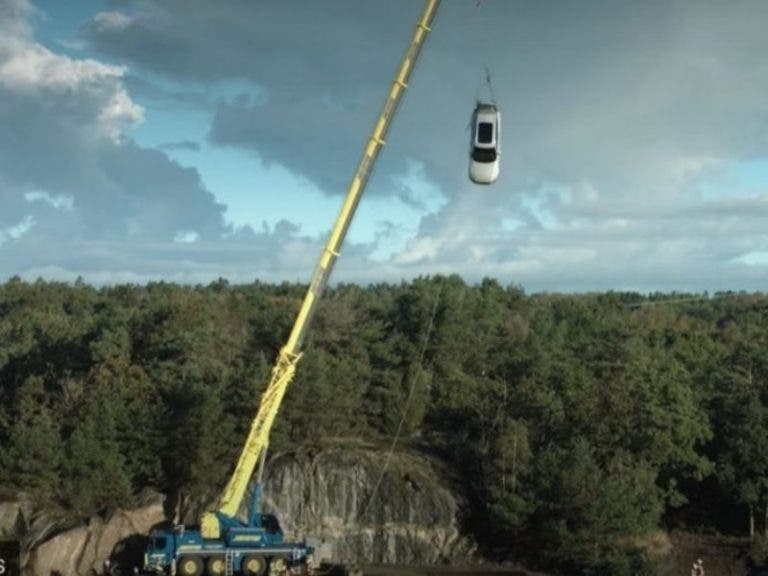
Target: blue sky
{"type": "Point", "coordinates": [187, 140]}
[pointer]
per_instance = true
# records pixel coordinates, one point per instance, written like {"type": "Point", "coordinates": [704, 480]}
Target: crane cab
{"type": "Point", "coordinates": [486, 144]}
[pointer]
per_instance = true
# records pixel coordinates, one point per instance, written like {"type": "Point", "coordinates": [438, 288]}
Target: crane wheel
{"type": "Point", "coordinates": [215, 566]}
{"type": "Point", "coordinates": [254, 565]}
{"type": "Point", "coordinates": [277, 566]}
{"type": "Point", "coordinates": [190, 566]}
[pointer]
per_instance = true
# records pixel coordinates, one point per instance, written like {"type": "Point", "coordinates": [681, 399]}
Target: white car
{"type": "Point", "coordinates": [486, 144]}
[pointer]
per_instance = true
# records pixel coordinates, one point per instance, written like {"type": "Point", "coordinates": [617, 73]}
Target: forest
{"type": "Point", "coordinates": [576, 424]}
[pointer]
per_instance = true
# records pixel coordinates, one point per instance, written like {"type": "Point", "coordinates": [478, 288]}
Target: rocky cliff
{"type": "Point", "coordinates": [361, 506]}
{"type": "Point", "coordinates": [353, 505]}
{"type": "Point", "coordinates": [84, 549]}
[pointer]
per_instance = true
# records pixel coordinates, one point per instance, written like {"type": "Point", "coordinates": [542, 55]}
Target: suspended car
{"type": "Point", "coordinates": [486, 144]}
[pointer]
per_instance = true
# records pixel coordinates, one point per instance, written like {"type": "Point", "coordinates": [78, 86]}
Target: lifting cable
{"type": "Point", "coordinates": [414, 379]}
{"type": "Point", "coordinates": [489, 83]}
{"type": "Point", "coordinates": [485, 83]}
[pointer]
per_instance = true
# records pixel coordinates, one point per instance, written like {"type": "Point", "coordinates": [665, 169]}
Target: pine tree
{"type": "Point", "coordinates": [33, 456]}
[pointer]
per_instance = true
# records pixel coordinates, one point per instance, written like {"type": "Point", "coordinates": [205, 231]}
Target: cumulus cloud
{"type": "Point", "coordinates": [313, 113]}
{"type": "Point", "coordinates": [112, 21]}
{"type": "Point", "coordinates": [17, 230]}
{"type": "Point", "coordinates": [627, 96]}
{"type": "Point", "coordinates": [77, 196]}
{"type": "Point", "coordinates": [272, 254]}
{"type": "Point", "coordinates": [13, 19]}
{"type": "Point", "coordinates": [616, 116]}
{"type": "Point", "coordinates": [29, 70]}
{"type": "Point", "coordinates": [682, 245]}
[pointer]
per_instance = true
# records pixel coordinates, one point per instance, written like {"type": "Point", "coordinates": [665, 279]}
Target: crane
{"type": "Point", "coordinates": [225, 544]}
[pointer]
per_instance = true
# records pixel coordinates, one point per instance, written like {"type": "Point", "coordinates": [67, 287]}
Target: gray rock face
{"type": "Point", "coordinates": [354, 505]}
{"type": "Point", "coordinates": [365, 508]}
{"type": "Point", "coordinates": [79, 551]}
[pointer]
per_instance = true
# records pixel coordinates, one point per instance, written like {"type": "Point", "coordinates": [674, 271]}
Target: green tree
{"type": "Point", "coordinates": [32, 457]}
{"type": "Point", "coordinates": [741, 412]}
{"type": "Point", "coordinates": [587, 509]}
{"type": "Point", "coordinates": [95, 477]}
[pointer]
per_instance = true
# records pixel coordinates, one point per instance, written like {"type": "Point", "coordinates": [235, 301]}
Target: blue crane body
{"type": "Point", "coordinates": [244, 548]}
{"type": "Point", "coordinates": [224, 545]}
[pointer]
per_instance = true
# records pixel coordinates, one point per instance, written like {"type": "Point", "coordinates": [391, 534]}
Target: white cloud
{"type": "Point", "coordinates": [17, 230]}
{"type": "Point", "coordinates": [616, 118]}
{"type": "Point", "coordinates": [118, 112]}
{"type": "Point", "coordinates": [65, 203]}
{"type": "Point", "coordinates": [418, 250]}
{"type": "Point", "coordinates": [754, 259]}
{"type": "Point", "coordinates": [29, 69]}
{"type": "Point", "coordinates": [13, 19]}
{"type": "Point", "coordinates": [186, 237]}
{"type": "Point", "coordinates": [32, 66]}
{"type": "Point", "coordinates": [76, 195]}
{"type": "Point", "coordinates": [111, 21]}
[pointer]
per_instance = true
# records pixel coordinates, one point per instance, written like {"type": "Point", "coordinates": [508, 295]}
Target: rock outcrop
{"type": "Point", "coordinates": [361, 506]}
{"type": "Point", "coordinates": [84, 549]}
{"type": "Point", "coordinates": [354, 505]}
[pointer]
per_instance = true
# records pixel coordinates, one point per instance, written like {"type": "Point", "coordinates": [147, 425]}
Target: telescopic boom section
{"type": "Point", "coordinates": [285, 367]}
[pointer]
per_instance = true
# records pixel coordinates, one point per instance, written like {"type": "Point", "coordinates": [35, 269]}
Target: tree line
{"type": "Point", "coordinates": [576, 424]}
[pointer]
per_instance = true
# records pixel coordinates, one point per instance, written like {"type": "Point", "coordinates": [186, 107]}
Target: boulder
{"type": "Point", "coordinates": [363, 506]}
{"type": "Point", "coordinates": [85, 549]}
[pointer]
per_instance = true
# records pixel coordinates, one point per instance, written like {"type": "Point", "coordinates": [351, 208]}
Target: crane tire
{"type": "Point", "coordinates": [215, 566]}
{"type": "Point", "coordinates": [254, 565]}
{"type": "Point", "coordinates": [190, 566]}
{"type": "Point", "coordinates": [278, 565]}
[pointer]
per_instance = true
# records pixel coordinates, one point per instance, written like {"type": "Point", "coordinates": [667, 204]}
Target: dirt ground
{"type": "Point", "coordinates": [721, 556]}
{"type": "Point", "coordinates": [442, 571]}
{"type": "Point", "coordinates": [426, 571]}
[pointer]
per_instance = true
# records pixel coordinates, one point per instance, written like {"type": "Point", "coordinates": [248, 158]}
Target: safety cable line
{"type": "Point", "coordinates": [407, 403]}
{"type": "Point", "coordinates": [489, 83]}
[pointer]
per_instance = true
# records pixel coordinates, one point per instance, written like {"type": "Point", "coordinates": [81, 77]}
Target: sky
{"type": "Point", "coordinates": [188, 140]}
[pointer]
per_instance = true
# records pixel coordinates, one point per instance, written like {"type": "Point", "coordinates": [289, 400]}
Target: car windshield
{"type": "Point", "coordinates": [158, 543]}
{"type": "Point", "coordinates": [485, 133]}
{"type": "Point", "coordinates": [484, 155]}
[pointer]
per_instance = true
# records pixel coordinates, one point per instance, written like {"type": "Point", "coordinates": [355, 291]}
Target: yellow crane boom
{"type": "Point", "coordinates": [285, 366]}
